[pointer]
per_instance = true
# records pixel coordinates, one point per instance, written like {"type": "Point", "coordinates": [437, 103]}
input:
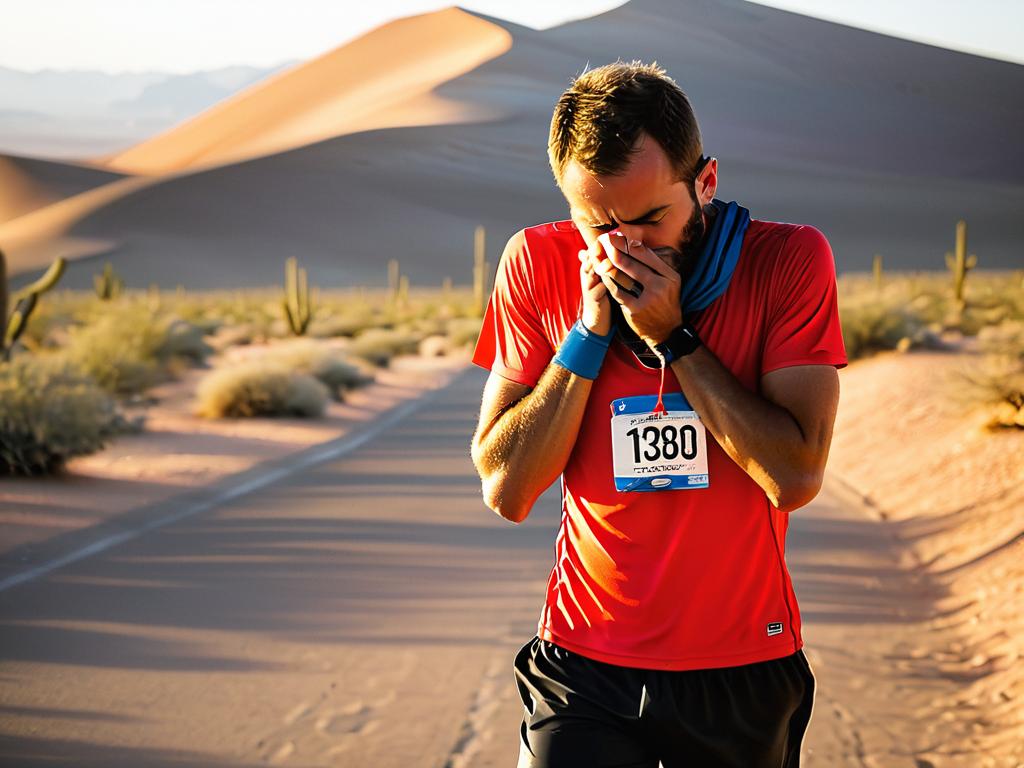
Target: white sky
{"type": "Point", "coordinates": [188, 35]}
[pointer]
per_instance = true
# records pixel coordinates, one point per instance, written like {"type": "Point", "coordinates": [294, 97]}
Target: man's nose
{"type": "Point", "coordinates": [632, 233]}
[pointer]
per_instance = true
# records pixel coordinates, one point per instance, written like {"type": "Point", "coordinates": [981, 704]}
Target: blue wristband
{"type": "Point", "coordinates": [582, 351]}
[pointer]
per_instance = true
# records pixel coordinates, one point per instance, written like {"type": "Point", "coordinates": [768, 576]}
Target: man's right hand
{"type": "Point", "coordinates": [597, 308]}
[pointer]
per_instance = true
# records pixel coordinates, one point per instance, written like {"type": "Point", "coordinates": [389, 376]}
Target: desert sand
{"type": "Point", "coordinates": [949, 496]}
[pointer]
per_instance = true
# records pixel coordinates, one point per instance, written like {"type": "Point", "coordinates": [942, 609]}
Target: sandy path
{"type": "Point", "coordinates": [862, 610]}
{"type": "Point", "coordinates": [363, 612]}
{"type": "Point", "coordinates": [366, 611]}
{"type": "Point", "coordinates": [180, 453]}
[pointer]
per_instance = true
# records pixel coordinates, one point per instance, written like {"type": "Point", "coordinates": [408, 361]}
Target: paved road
{"type": "Point", "coordinates": [361, 612]}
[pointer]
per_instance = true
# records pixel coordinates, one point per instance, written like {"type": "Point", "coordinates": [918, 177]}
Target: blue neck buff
{"type": "Point", "coordinates": [718, 258]}
{"type": "Point", "coordinates": [709, 278]}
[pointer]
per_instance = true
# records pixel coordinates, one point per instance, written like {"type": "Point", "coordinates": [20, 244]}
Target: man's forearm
{"type": "Point", "coordinates": [763, 438]}
{"type": "Point", "coordinates": [527, 446]}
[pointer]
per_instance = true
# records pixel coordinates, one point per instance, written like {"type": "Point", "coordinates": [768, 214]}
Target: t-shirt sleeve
{"type": "Point", "coordinates": [803, 319]}
{"type": "Point", "coordinates": [512, 341]}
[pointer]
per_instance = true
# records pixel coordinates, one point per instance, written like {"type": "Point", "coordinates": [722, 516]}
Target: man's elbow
{"type": "Point", "coordinates": [797, 493]}
{"type": "Point", "coordinates": [495, 492]}
{"type": "Point", "coordinates": [501, 502]}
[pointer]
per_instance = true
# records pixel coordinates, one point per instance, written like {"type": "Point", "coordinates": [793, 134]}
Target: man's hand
{"type": "Point", "coordinates": [655, 313]}
{"type": "Point", "coordinates": [597, 311]}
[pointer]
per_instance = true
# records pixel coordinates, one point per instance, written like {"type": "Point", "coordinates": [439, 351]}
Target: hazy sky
{"type": "Point", "coordinates": [187, 35]}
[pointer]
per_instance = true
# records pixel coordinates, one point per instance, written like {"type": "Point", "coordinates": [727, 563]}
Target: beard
{"type": "Point", "coordinates": [683, 258]}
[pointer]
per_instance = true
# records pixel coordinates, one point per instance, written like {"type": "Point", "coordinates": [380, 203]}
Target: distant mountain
{"type": "Point", "coordinates": [397, 144]}
{"type": "Point", "coordinates": [80, 113]}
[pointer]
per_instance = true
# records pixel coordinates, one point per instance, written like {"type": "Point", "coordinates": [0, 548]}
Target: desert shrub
{"type": "Point", "coordinates": [257, 388]}
{"type": "Point", "coordinates": [871, 323]}
{"type": "Point", "coordinates": [50, 411]}
{"type": "Point", "coordinates": [184, 339]}
{"type": "Point", "coordinates": [330, 367]}
{"type": "Point", "coordinates": [435, 346]}
{"type": "Point", "coordinates": [378, 345]}
{"type": "Point", "coordinates": [989, 297]}
{"type": "Point", "coordinates": [463, 331]}
{"type": "Point", "coordinates": [997, 380]}
{"type": "Point", "coordinates": [343, 325]}
{"type": "Point", "coordinates": [130, 347]}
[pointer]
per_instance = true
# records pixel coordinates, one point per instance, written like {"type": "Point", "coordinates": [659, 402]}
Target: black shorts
{"type": "Point", "coordinates": [591, 714]}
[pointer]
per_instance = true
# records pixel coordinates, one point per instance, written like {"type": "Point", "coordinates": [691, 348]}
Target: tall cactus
{"type": "Point", "coordinates": [480, 270]}
{"type": "Point", "coordinates": [960, 264]}
{"type": "Point", "coordinates": [24, 302]}
{"type": "Point", "coordinates": [403, 291]}
{"type": "Point", "coordinates": [3, 304]}
{"type": "Point", "coordinates": [876, 271]}
{"type": "Point", "coordinates": [108, 285]}
{"type": "Point", "coordinates": [393, 281]}
{"type": "Point", "coordinates": [298, 310]}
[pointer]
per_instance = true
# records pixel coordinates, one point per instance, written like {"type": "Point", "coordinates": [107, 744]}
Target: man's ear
{"type": "Point", "coordinates": [707, 182]}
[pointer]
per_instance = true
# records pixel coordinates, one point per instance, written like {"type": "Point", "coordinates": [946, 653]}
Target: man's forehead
{"type": "Point", "coordinates": [606, 202]}
{"type": "Point", "coordinates": [646, 183]}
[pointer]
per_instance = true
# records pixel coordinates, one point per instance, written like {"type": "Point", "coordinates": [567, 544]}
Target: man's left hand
{"type": "Point", "coordinates": [655, 313]}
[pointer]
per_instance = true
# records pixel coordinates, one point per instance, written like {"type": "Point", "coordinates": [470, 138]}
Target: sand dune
{"type": "Point", "coordinates": [881, 143]}
{"type": "Point", "coordinates": [368, 83]}
{"type": "Point", "coordinates": [27, 183]}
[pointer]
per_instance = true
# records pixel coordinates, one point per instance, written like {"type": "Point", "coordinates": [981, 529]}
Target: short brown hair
{"type": "Point", "coordinates": [598, 120]}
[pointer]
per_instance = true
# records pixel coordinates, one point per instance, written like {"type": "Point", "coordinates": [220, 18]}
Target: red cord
{"type": "Point", "coordinates": [660, 407]}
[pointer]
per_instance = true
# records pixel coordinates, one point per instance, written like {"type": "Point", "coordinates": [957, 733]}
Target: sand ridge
{"type": "Point", "coordinates": [351, 88]}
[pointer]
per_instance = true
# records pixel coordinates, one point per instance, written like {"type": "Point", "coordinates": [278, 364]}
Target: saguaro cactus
{"type": "Point", "coordinates": [876, 271]}
{"type": "Point", "coordinates": [108, 285]}
{"type": "Point", "coordinates": [960, 263]}
{"type": "Point", "coordinates": [403, 290]}
{"type": "Point", "coordinates": [298, 309]}
{"type": "Point", "coordinates": [480, 270]}
{"type": "Point", "coordinates": [393, 280]}
{"type": "Point", "coordinates": [24, 302]}
{"type": "Point", "coordinates": [3, 303]}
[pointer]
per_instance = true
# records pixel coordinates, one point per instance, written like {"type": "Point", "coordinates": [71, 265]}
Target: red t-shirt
{"type": "Point", "coordinates": [678, 579]}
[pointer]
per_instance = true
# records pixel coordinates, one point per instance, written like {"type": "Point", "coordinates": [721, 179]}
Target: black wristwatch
{"type": "Point", "coordinates": [681, 342]}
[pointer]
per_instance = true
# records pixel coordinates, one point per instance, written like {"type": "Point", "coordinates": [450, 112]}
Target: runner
{"type": "Point", "coordinates": [674, 361]}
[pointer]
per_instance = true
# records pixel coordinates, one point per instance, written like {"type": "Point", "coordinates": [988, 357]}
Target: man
{"type": "Point", "coordinates": [675, 362]}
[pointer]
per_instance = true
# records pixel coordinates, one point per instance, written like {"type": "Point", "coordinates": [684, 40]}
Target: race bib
{"type": "Point", "coordinates": [658, 451]}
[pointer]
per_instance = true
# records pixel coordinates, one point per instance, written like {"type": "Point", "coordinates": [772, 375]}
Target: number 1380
{"type": "Point", "coordinates": [665, 442]}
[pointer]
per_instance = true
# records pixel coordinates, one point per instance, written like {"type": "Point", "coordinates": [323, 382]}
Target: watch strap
{"type": "Point", "coordinates": [681, 342]}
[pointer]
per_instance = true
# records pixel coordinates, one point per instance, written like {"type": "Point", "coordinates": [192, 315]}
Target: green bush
{"type": "Point", "coordinates": [997, 380]}
{"type": "Point", "coordinates": [463, 331]}
{"type": "Point", "coordinates": [328, 366]}
{"type": "Point", "coordinates": [50, 411]}
{"type": "Point", "coordinates": [257, 388]}
{"type": "Point", "coordinates": [378, 345]}
{"type": "Point", "coordinates": [340, 325]}
{"type": "Point", "coordinates": [872, 324]}
{"type": "Point", "coordinates": [130, 348]}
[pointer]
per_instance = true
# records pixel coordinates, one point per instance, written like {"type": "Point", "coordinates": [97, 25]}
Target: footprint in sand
{"type": "Point", "coordinates": [297, 712]}
{"type": "Point", "coordinates": [283, 753]}
{"type": "Point", "coordinates": [353, 718]}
